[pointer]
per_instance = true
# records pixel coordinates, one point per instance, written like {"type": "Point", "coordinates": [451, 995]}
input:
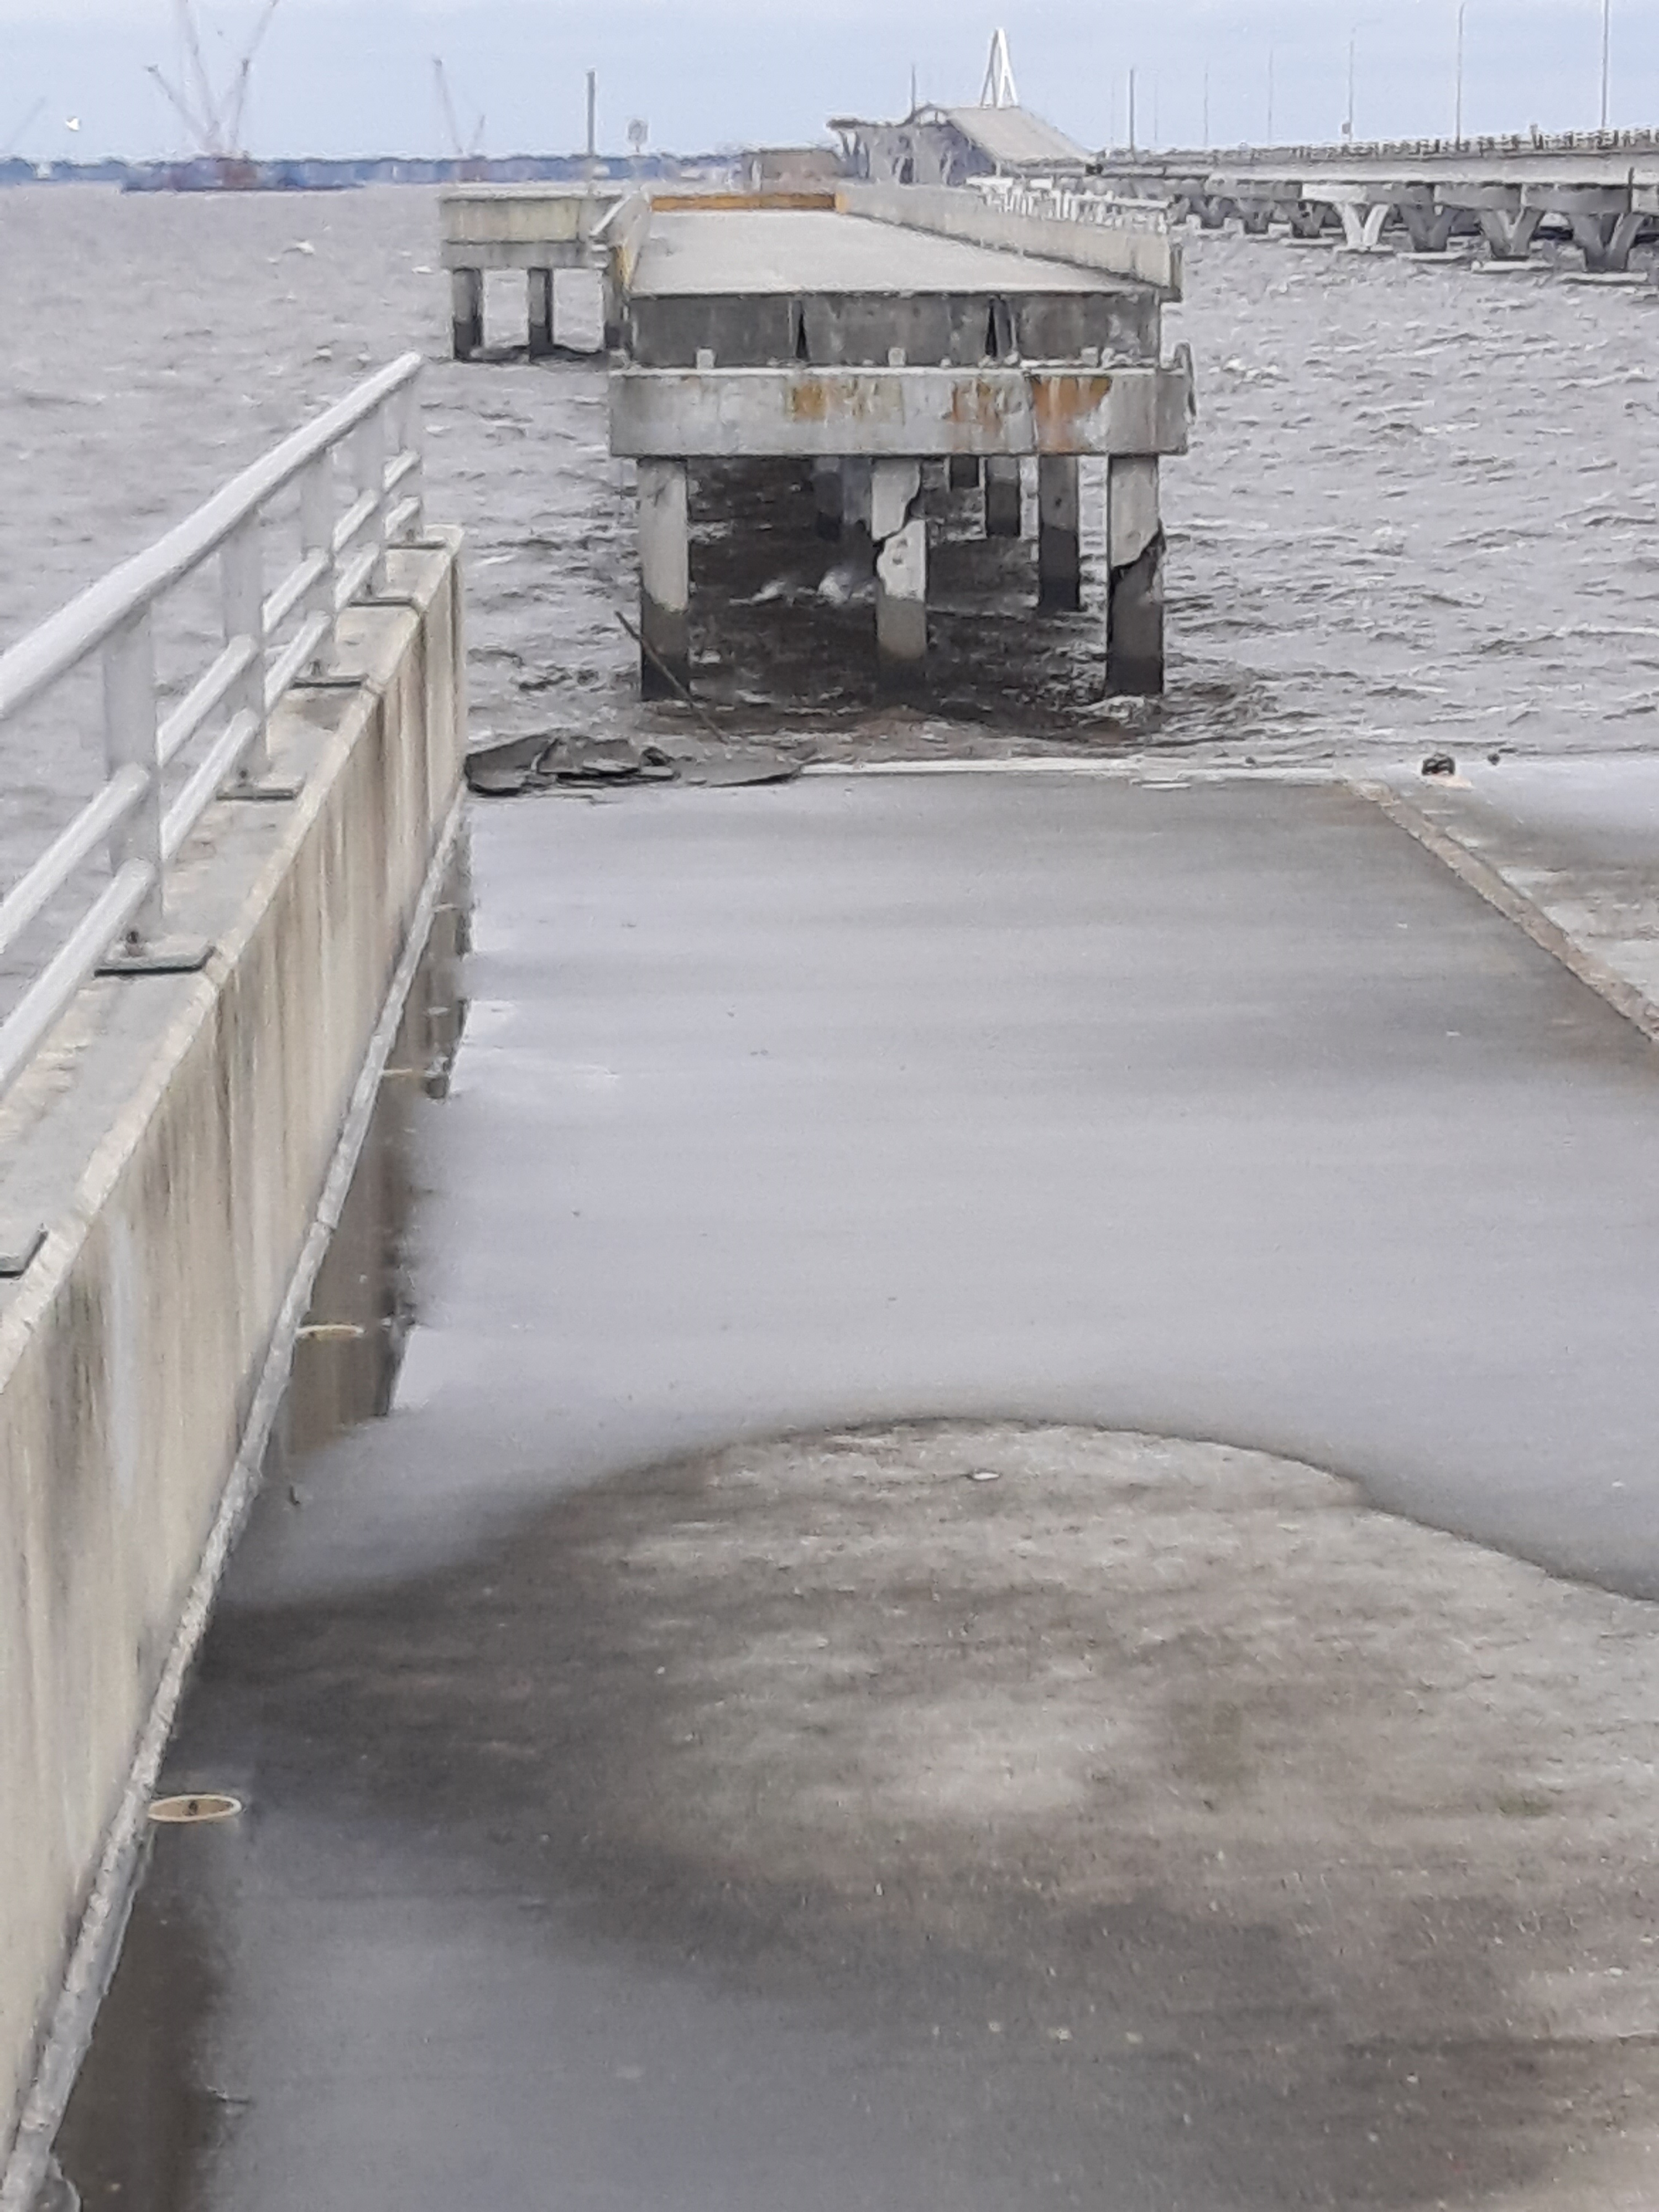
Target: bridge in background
{"type": "Point", "coordinates": [1599, 189]}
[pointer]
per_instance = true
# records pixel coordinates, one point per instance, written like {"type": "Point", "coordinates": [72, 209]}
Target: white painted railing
{"type": "Point", "coordinates": [140, 815]}
{"type": "Point", "coordinates": [1038, 196]}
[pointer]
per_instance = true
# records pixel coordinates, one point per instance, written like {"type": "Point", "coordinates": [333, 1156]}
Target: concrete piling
{"type": "Point", "coordinates": [664, 578]}
{"type": "Point", "coordinates": [827, 498]}
{"type": "Point", "coordinates": [540, 285]}
{"type": "Point", "coordinates": [467, 291]}
{"type": "Point", "coordinates": [1002, 515]}
{"type": "Point", "coordinates": [1060, 572]}
{"type": "Point", "coordinates": [1134, 607]}
{"type": "Point", "coordinates": [899, 528]}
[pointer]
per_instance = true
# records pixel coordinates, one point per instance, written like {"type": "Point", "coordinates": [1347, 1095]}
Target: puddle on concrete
{"type": "Point", "coordinates": [145, 2118]}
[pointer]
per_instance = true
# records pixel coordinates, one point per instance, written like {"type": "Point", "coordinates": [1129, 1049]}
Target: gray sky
{"type": "Point", "coordinates": [345, 76]}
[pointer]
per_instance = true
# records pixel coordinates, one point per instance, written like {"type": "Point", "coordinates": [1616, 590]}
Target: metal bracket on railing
{"type": "Point", "coordinates": [242, 591]}
{"type": "Point", "coordinates": [132, 739]}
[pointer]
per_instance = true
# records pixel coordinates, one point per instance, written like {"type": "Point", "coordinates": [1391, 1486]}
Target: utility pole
{"type": "Point", "coordinates": [1272, 58]}
{"type": "Point", "coordinates": [592, 117]}
{"type": "Point", "coordinates": [1205, 140]}
{"type": "Point", "coordinates": [1607, 60]}
{"type": "Point", "coordinates": [1132, 111]}
{"type": "Point", "coordinates": [913, 89]}
{"type": "Point", "coordinates": [1462, 10]}
{"type": "Point", "coordinates": [1353, 45]}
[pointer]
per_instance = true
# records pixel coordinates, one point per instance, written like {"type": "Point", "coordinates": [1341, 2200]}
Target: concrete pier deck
{"type": "Point", "coordinates": [869, 334]}
{"type": "Point", "coordinates": [986, 1814]}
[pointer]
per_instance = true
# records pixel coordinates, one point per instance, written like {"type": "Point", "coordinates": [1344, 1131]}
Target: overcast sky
{"type": "Point", "coordinates": [355, 76]}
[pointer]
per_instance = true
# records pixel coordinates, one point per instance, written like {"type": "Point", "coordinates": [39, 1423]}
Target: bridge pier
{"type": "Point", "coordinates": [827, 498]}
{"type": "Point", "coordinates": [466, 294]}
{"type": "Point", "coordinates": [1002, 495]}
{"type": "Point", "coordinates": [1060, 570]}
{"type": "Point", "coordinates": [1135, 592]}
{"type": "Point", "coordinates": [899, 528]}
{"type": "Point", "coordinates": [665, 580]}
{"type": "Point", "coordinates": [539, 284]}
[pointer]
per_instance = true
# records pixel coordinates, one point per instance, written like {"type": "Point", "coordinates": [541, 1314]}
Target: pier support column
{"type": "Point", "coordinates": [1606, 241]}
{"type": "Point", "coordinates": [827, 498]}
{"type": "Point", "coordinates": [1134, 601]}
{"type": "Point", "coordinates": [1509, 237]}
{"type": "Point", "coordinates": [899, 528]}
{"type": "Point", "coordinates": [1362, 223]}
{"type": "Point", "coordinates": [610, 325]}
{"type": "Point", "coordinates": [962, 472]}
{"type": "Point", "coordinates": [665, 580]}
{"type": "Point", "coordinates": [466, 310]}
{"type": "Point", "coordinates": [540, 287]}
{"type": "Point", "coordinates": [1060, 572]}
{"type": "Point", "coordinates": [1002, 495]}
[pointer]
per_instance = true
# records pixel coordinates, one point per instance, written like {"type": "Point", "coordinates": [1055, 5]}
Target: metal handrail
{"type": "Point", "coordinates": [378, 425]}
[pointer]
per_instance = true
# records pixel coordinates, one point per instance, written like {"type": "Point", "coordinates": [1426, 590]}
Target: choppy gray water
{"type": "Point", "coordinates": [1420, 506]}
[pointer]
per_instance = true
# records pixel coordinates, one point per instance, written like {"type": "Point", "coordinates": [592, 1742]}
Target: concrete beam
{"type": "Point", "coordinates": [900, 413]}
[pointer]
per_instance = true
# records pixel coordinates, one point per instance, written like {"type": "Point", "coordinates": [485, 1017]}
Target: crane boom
{"type": "Point", "coordinates": [212, 133]}
{"type": "Point", "coordinates": [179, 105]}
{"type": "Point", "coordinates": [446, 108]}
{"type": "Point", "coordinates": [244, 71]}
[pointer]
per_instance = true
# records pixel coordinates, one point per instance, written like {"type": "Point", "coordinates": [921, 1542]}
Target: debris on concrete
{"type": "Point", "coordinates": [582, 763]}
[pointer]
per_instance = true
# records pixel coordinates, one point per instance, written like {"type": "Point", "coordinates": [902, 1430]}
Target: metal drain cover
{"type": "Point", "coordinates": [205, 1805]}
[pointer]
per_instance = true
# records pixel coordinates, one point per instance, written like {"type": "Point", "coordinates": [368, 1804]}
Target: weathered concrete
{"type": "Point", "coordinates": [1134, 614]}
{"type": "Point", "coordinates": [176, 1136]}
{"type": "Point", "coordinates": [1060, 568]}
{"type": "Point", "coordinates": [664, 578]}
{"type": "Point", "coordinates": [1002, 495]}
{"type": "Point", "coordinates": [804, 332]}
{"type": "Point", "coordinates": [711, 1820]}
{"type": "Point", "coordinates": [899, 528]}
{"type": "Point", "coordinates": [538, 228]}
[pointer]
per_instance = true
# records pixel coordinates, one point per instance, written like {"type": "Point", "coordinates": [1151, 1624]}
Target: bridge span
{"type": "Point", "coordinates": [1600, 190]}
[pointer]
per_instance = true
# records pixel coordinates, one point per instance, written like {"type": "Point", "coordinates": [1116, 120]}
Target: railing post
{"type": "Point", "coordinates": [412, 439]}
{"type": "Point", "coordinates": [242, 592]}
{"type": "Point", "coordinates": [369, 468]}
{"type": "Point", "coordinates": [317, 542]}
{"type": "Point", "coordinates": [130, 741]}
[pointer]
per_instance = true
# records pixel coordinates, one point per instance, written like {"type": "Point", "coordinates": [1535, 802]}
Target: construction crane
{"type": "Point", "coordinates": [213, 119]}
{"type": "Point", "coordinates": [21, 131]}
{"type": "Point", "coordinates": [447, 110]}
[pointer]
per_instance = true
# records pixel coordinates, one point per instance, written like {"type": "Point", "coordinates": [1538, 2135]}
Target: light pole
{"type": "Point", "coordinates": [1205, 140]}
{"type": "Point", "coordinates": [1132, 111]}
{"type": "Point", "coordinates": [1353, 42]}
{"type": "Point", "coordinates": [1462, 10]}
{"type": "Point", "coordinates": [1607, 60]}
{"type": "Point", "coordinates": [1270, 95]}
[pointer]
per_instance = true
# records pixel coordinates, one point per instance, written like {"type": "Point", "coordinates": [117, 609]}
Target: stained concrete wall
{"type": "Point", "coordinates": [176, 1137]}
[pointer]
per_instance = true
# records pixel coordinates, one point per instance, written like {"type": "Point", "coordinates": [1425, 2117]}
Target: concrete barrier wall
{"type": "Point", "coordinates": [1150, 253]}
{"type": "Point", "coordinates": [182, 1130]}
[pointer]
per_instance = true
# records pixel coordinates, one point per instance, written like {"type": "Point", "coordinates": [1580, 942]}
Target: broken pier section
{"type": "Point", "coordinates": [872, 332]}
